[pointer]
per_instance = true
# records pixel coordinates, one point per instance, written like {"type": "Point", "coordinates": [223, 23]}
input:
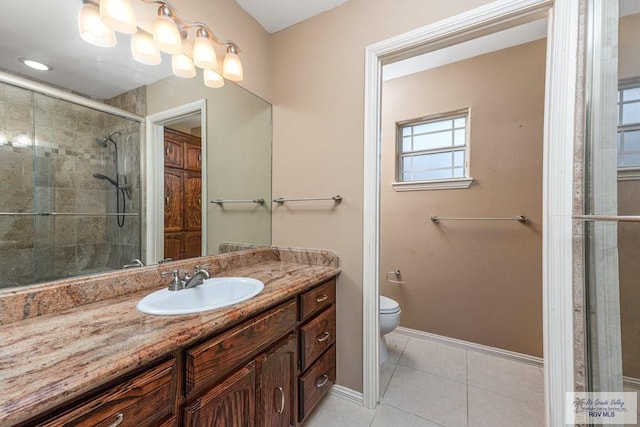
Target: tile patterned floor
{"type": "Point", "coordinates": [427, 384]}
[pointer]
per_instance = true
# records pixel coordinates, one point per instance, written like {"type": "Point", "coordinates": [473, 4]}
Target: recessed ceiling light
{"type": "Point", "coordinates": [35, 64]}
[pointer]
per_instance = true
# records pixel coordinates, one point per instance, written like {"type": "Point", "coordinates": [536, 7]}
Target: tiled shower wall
{"type": "Point", "coordinates": [48, 155]}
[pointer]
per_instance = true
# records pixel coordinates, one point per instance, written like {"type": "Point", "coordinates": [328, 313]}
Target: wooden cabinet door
{"type": "Point", "coordinates": [192, 244]}
{"type": "Point", "coordinates": [174, 245]}
{"type": "Point", "coordinates": [192, 201]}
{"type": "Point", "coordinates": [277, 383]}
{"type": "Point", "coordinates": [173, 152]}
{"type": "Point", "coordinates": [192, 157]}
{"type": "Point", "coordinates": [229, 404]}
{"type": "Point", "coordinates": [172, 200]}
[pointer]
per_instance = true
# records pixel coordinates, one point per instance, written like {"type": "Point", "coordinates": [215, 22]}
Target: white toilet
{"type": "Point", "coordinates": [389, 320]}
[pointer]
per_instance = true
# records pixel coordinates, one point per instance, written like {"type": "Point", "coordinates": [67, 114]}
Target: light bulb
{"type": "Point", "coordinates": [213, 79]}
{"type": "Point", "coordinates": [204, 55]}
{"type": "Point", "coordinates": [143, 49]}
{"type": "Point", "coordinates": [92, 29]}
{"type": "Point", "coordinates": [182, 66]}
{"type": "Point", "coordinates": [232, 67]}
{"type": "Point", "coordinates": [166, 34]}
{"type": "Point", "coordinates": [118, 15]}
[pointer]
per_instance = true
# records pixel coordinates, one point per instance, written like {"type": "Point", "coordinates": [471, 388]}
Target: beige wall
{"type": "Point", "coordinates": [238, 156]}
{"type": "Point", "coordinates": [318, 97]}
{"type": "Point", "coordinates": [476, 281]}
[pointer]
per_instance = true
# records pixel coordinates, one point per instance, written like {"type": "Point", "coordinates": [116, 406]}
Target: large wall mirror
{"type": "Point", "coordinates": [74, 192]}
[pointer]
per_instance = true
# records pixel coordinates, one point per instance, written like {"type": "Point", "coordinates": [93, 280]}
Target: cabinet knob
{"type": "Point", "coordinates": [322, 381]}
{"type": "Point", "coordinates": [118, 421]}
{"type": "Point", "coordinates": [325, 336]}
{"type": "Point", "coordinates": [167, 151]}
{"type": "Point", "coordinates": [282, 402]}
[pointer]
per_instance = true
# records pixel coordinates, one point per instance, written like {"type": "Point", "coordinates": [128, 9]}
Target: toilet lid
{"type": "Point", "coordinates": [387, 305]}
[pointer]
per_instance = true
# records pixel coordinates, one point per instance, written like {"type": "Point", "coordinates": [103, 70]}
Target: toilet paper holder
{"type": "Point", "coordinates": [397, 274]}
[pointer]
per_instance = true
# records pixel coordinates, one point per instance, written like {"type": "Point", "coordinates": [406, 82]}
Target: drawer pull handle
{"type": "Point", "coordinates": [118, 420]}
{"type": "Point", "coordinates": [325, 336]}
{"type": "Point", "coordinates": [322, 381]}
{"type": "Point", "coordinates": [322, 298]}
{"type": "Point", "coordinates": [281, 410]}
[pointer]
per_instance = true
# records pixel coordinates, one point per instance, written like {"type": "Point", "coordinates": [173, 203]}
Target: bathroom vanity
{"type": "Point", "coordinates": [266, 361]}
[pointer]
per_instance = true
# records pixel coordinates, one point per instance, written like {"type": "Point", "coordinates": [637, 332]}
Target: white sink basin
{"type": "Point", "coordinates": [216, 292]}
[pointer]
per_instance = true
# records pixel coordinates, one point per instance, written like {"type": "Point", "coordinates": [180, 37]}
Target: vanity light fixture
{"type": "Point", "coordinates": [170, 34]}
{"type": "Point", "coordinates": [166, 34]}
{"type": "Point", "coordinates": [36, 65]}
{"type": "Point", "coordinates": [118, 15]}
{"type": "Point", "coordinates": [182, 66]}
{"type": "Point", "coordinates": [213, 79]}
{"type": "Point", "coordinates": [143, 49]}
{"type": "Point", "coordinates": [232, 67]}
{"type": "Point", "coordinates": [91, 28]}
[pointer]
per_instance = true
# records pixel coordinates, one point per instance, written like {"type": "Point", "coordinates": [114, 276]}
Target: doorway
{"type": "Point", "coordinates": [557, 181]}
{"type": "Point", "coordinates": [180, 236]}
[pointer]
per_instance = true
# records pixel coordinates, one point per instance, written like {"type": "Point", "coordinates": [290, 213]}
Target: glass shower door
{"type": "Point", "coordinates": [612, 199]}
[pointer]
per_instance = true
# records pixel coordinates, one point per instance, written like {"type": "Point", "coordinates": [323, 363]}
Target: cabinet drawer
{"type": "Point", "coordinates": [317, 298]}
{"type": "Point", "coordinates": [316, 382]}
{"type": "Point", "coordinates": [316, 336]}
{"type": "Point", "coordinates": [214, 359]}
{"type": "Point", "coordinates": [145, 400]}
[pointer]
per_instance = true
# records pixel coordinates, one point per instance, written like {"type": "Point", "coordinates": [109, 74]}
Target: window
{"type": "Point", "coordinates": [434, 149]}
{"type": "Point", "coordinates": [629, 127]}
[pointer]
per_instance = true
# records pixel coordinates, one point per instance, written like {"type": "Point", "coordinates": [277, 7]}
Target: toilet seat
{"type": "Point", "coordinates": [388, 306]}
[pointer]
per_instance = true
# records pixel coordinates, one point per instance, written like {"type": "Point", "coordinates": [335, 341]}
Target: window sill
{"type": "Point", "coordinates": [440, 184]}
{"type": "Point", "coordinates": [629, 174]}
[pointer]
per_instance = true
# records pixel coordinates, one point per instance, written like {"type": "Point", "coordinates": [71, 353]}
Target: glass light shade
{"type": "Point", "coordinates": [204, 55]}
{"type": "Point", "coordinates": [143, 49]}
{"type": "Point", "coordinates": [166, 35]}
{"type": "Point", "coordinates": [213, 79]}
{"type": "Point", "coordinates": [92, 29]}
{"type": "Point", "coordinates": [118, 15]}
{"type": "Point", "coordinates": [232, 67]}
{"type": "Point", "coordinates": [182, 66]}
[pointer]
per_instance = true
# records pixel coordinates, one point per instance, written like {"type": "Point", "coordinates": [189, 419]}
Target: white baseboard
{"type": "Point", "coordinates": [631, 382]}
{"type": "Point", "coordinates": [466, 345]}
{"type": "Point", "coordinates": [347, 393]}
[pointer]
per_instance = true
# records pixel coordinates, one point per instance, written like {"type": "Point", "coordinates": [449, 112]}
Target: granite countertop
{"type": "Point", "coordinates": [48, 360]}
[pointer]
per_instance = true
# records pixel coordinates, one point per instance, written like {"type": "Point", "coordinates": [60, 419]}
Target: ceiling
{"type": "Point", "coordinates": [276, 15]}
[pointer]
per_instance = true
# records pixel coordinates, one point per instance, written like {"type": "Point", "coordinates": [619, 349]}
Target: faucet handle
{"type": "Point", "coordinates": [201, 267]}
{"type": "Point", "coordinates": [175, 284]}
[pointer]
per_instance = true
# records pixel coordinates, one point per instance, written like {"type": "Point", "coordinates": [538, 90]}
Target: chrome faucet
{"type": "Point", "coordinates": [199, 276]}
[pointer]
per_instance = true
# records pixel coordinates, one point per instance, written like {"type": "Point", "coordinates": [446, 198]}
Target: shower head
{"type": "Point", "coordinates": [109, 138]}
{"type": "Point", "coordinates": [106, 178]}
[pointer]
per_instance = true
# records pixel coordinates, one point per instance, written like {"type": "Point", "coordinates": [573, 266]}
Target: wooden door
{"type": "Point", "coordinates": [277, 382]}
{"type": "Point", "coordinates": [229, 404]}
{"type": "Point", "coordinates": [192, 157]}
{"type": "Point", "coordinates": [173, 209]}
{"type": "Point", "coordinates": [192, 201]}
{"type": "Point", "coordinates": [192, 244]}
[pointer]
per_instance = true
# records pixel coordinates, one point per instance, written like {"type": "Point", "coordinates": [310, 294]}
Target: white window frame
{"type": "Point", "coordinates": [432, 184]}
{"type": "Point", "coordinates": [627, 173]}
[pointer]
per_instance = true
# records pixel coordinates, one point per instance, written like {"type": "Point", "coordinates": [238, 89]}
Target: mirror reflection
{"type": "Point", "coordinates": [74, 198]}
